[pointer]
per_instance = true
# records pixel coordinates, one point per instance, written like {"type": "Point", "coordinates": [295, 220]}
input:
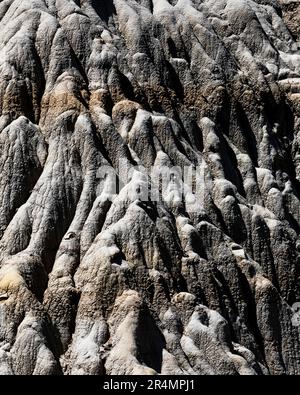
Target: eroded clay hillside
{"type": "Point", "coordinates": [97, 285]}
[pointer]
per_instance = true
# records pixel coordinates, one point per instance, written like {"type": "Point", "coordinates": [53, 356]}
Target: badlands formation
{"type": "Point", "coordinates": [100, 280]}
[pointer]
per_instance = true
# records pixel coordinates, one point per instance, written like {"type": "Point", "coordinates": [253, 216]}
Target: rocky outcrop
{"type": "Point", "coordinates": [98, 279]}
{"type": "Point", "coordinates": [291, 13]}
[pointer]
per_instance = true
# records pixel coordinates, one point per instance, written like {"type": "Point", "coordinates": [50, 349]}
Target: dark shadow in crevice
{"type": "Point", "coordinates": [252, 317]}
{"type": "Point", "coordinates": [150, 341]}
{"type": "Point", "coordinates": [104, 8]}
{"type": "Point", "coordinates": [173, 82]}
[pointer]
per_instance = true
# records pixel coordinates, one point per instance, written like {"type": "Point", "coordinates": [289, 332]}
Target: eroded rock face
{"type": "Point", "coordinates": [95, 281]}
